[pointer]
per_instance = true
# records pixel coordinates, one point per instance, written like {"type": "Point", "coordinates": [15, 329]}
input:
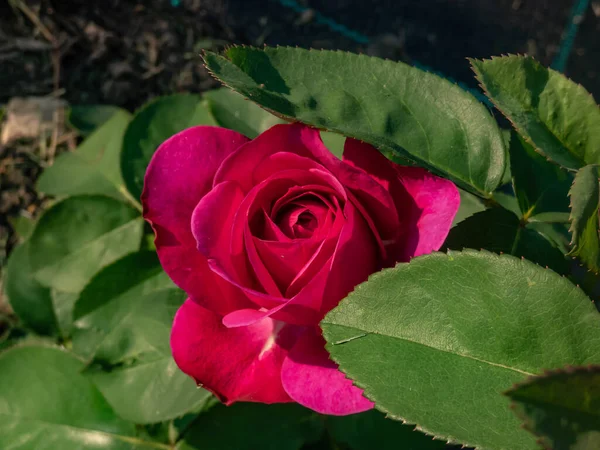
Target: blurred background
{"type": "Point", "coordinates": [125, 52]}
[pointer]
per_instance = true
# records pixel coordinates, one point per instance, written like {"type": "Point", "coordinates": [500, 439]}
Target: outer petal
{"type": "Point", "coordinates": [288, 138]}
{"type": "Point", "coordinates": [239, 364]}
{"type": "Point", "coordinates": [313, 380]}
{"type": "Point", "coordinates": [438, 201]}
{"type": "Point", "coordinates": [426, 203]}
{"type": "Point", "coordinates": [212, 221]}
{"type": "Point", "coordinates": [178, 176]}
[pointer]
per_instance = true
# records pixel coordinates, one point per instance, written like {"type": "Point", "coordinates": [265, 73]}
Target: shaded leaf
{"type": "Point", "coordinates": [22, 225]}
{"type": "Point", "coordinates": [500, 231]}
{"type": "Point", "coordinates": [372, 430]}
{"type": "Point", "coordinates": [149, 391]}
{"type": "Point", "coordinates": [250, 426]}
{"type": "Point", "coordinates": [63, 303]}
{"type": "Point", "coordinates": [151, 126]}
{"type": "Point", "coordinates": [469, 205]}
{"type": "Point", "coordinates": [435, 341]}
{"type": "Point", "coordinates": [388, 104]}
{"type": "Point", "coordinates": [558, 117]}
{"type": "Point", "coordinates": [585, 208]}
{"type": "Point", "coordinates": [233, 111]}
{"type": "Point", "coordinates": [94, 167]}
{"type": "Point", "coordinates": [561, 407]}
{"type": "Point", "coordinates": [508, 201]}
{"type": "Point", "coordinates": [541, 187]}
{"type": "Point", "coordinates": [78, 236]}
{"type": "Point", "coordinates": [46, 403]}
{"type": "Point", "coordinates": [87, 118]}
{"type": "Point", "coordinates": [31, 301]}
{"type": "Point", "coordinates": [123, 319]}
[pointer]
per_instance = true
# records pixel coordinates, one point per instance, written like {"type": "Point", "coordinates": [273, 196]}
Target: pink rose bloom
{"type": "Point", "coordinates": [268, 235]}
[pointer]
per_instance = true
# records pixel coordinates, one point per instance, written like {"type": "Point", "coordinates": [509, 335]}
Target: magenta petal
{"type": "Point", "coordinates": [288, 138]}
{"type": "Point", "coordinates": [426, 203]}
{"type": "Point", "coordinates": [236, 364]}
{"type": "Point", "coordinates": [438, 201]}
{"type": "Point", "coordinates": [263, 275]}
{"type": "Point", "coordinates": [285, 259]}
{"type": "Point", "coordinates": [354, 244]}
{"type": "Point", "coordinates": [180, 173]}
{"type": "Point", "coordinates": [212, 220]}
{"type": "Point", "coordinates": [243, 317]}
{"type": "Point", "coordinates": [283, 160]}
{"type": "Point", "coordinates": [313, 380]}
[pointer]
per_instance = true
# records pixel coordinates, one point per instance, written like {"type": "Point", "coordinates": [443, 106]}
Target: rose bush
{"type": "Point", "coordinates": [268, 235]}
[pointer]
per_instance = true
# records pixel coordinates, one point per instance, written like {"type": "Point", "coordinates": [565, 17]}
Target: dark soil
{"type": "Point", "coordinates": [125, 52]}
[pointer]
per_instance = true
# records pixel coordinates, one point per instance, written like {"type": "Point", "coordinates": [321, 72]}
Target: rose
{"type": "Point", "coordinates": [268, 235]}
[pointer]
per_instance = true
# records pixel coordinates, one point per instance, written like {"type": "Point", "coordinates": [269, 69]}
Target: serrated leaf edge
{"type": "Point", "coordinates": [405, 155]}
{"type": "Point", "coordinates": [481, 84]}
{"type": "Point", "coordinates": [526, 420]}
{"type": "Point", "coordinates": [573, 221]}
{"type": "Point", "coordinates": [450, 255]}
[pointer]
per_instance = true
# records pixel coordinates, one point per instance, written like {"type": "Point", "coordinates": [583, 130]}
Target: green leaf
{"type": "Point", "coordinates": [127, 390]}
{"type": "Point", "coordinates": [123, 317]}
{"type": "Point", "coordinates": [508, 201]}
{"type": "Point", "coordinates": [113, 322]}
{"type": "Point", "coordinates": [469, 205]}
{"type": "Point", "coordinates": [507, 176]}
{"type": "Point", "coordinates": [251, 426]}
{"type": "Point", "coordinates": [540, 186]}
{"type": "Point", "coordinates": [558, 117]}
{"type": "Point", "coordinates": [435, 341]}
{"type": "Point", "coordinates": [561, 407]}
{"type": "Point", "coordinates": [585, 208]}
{"type": "Point", "coordinates": [557, 233]}
{"type": "Point", "coordinates": [388, 104]}
{"type": "Point", "coordinates": [372, 430]}
{"type": "Point", "coordinates": [500, 231]}
{"type": "Point", "coordinates": [78, 236]}
{"type": "Point", "coordinates": [22, 225]}
{"type": "Point", "coordinates": [46, 403]}
{"type": "Point", "coordinates": [151, 126]}
{"type": "Point", "coordinates": [63, 303]}
{"type": "Point", "coordinates": [550, 217]}
{"type": "Point", "coordinates": [334, 142]}
{"type": "Point", "coordinates": [31, 301]}
{"type": "Point", "coordinates": [94, 168]}
{"type": "Point", "coordinates": [87, 118]}
{"type": "Point", "coordinates": [233, 111]}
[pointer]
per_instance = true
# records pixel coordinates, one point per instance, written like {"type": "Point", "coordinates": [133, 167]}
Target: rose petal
{"type": "Point", "coordinates": [178, 176]}
{"type": "Point", "coordinates": [355, 243]}
{"type": "Point", "coordinates": [240, 364]}
{"type": "Point", "coordinates": [438, 201]}
{"type": "Point", "coordinates": [270, 231]}
{"type": "Point", "coordinates": [263, 275]}
{"type": "Point", "coordinates": [329, 283]}
{"type": "Point", "coordinates": [285, 259]}
{"type": "Point", "coordinates": [426, 203]}
{"type": "Point", "coordinates": [283, 160]}
{"type": "Point", "coordinates": [240, 167]}
{"type": "Point", "coordinates": [306, 142]}
{"type": "Point", "coordinates": [212, 220]}
{"type": "Point", "coordinates": [375, 202]}
{"type": "Point", "coordinates": [258, 199]}
{"type": "Point", "coordinates": [313, 380]}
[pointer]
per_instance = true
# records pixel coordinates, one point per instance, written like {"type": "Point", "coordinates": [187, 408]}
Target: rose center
{"type": "Point", "coordinates": [296, 221]}
{"type": "Point", "coordinates": [300, 218]}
